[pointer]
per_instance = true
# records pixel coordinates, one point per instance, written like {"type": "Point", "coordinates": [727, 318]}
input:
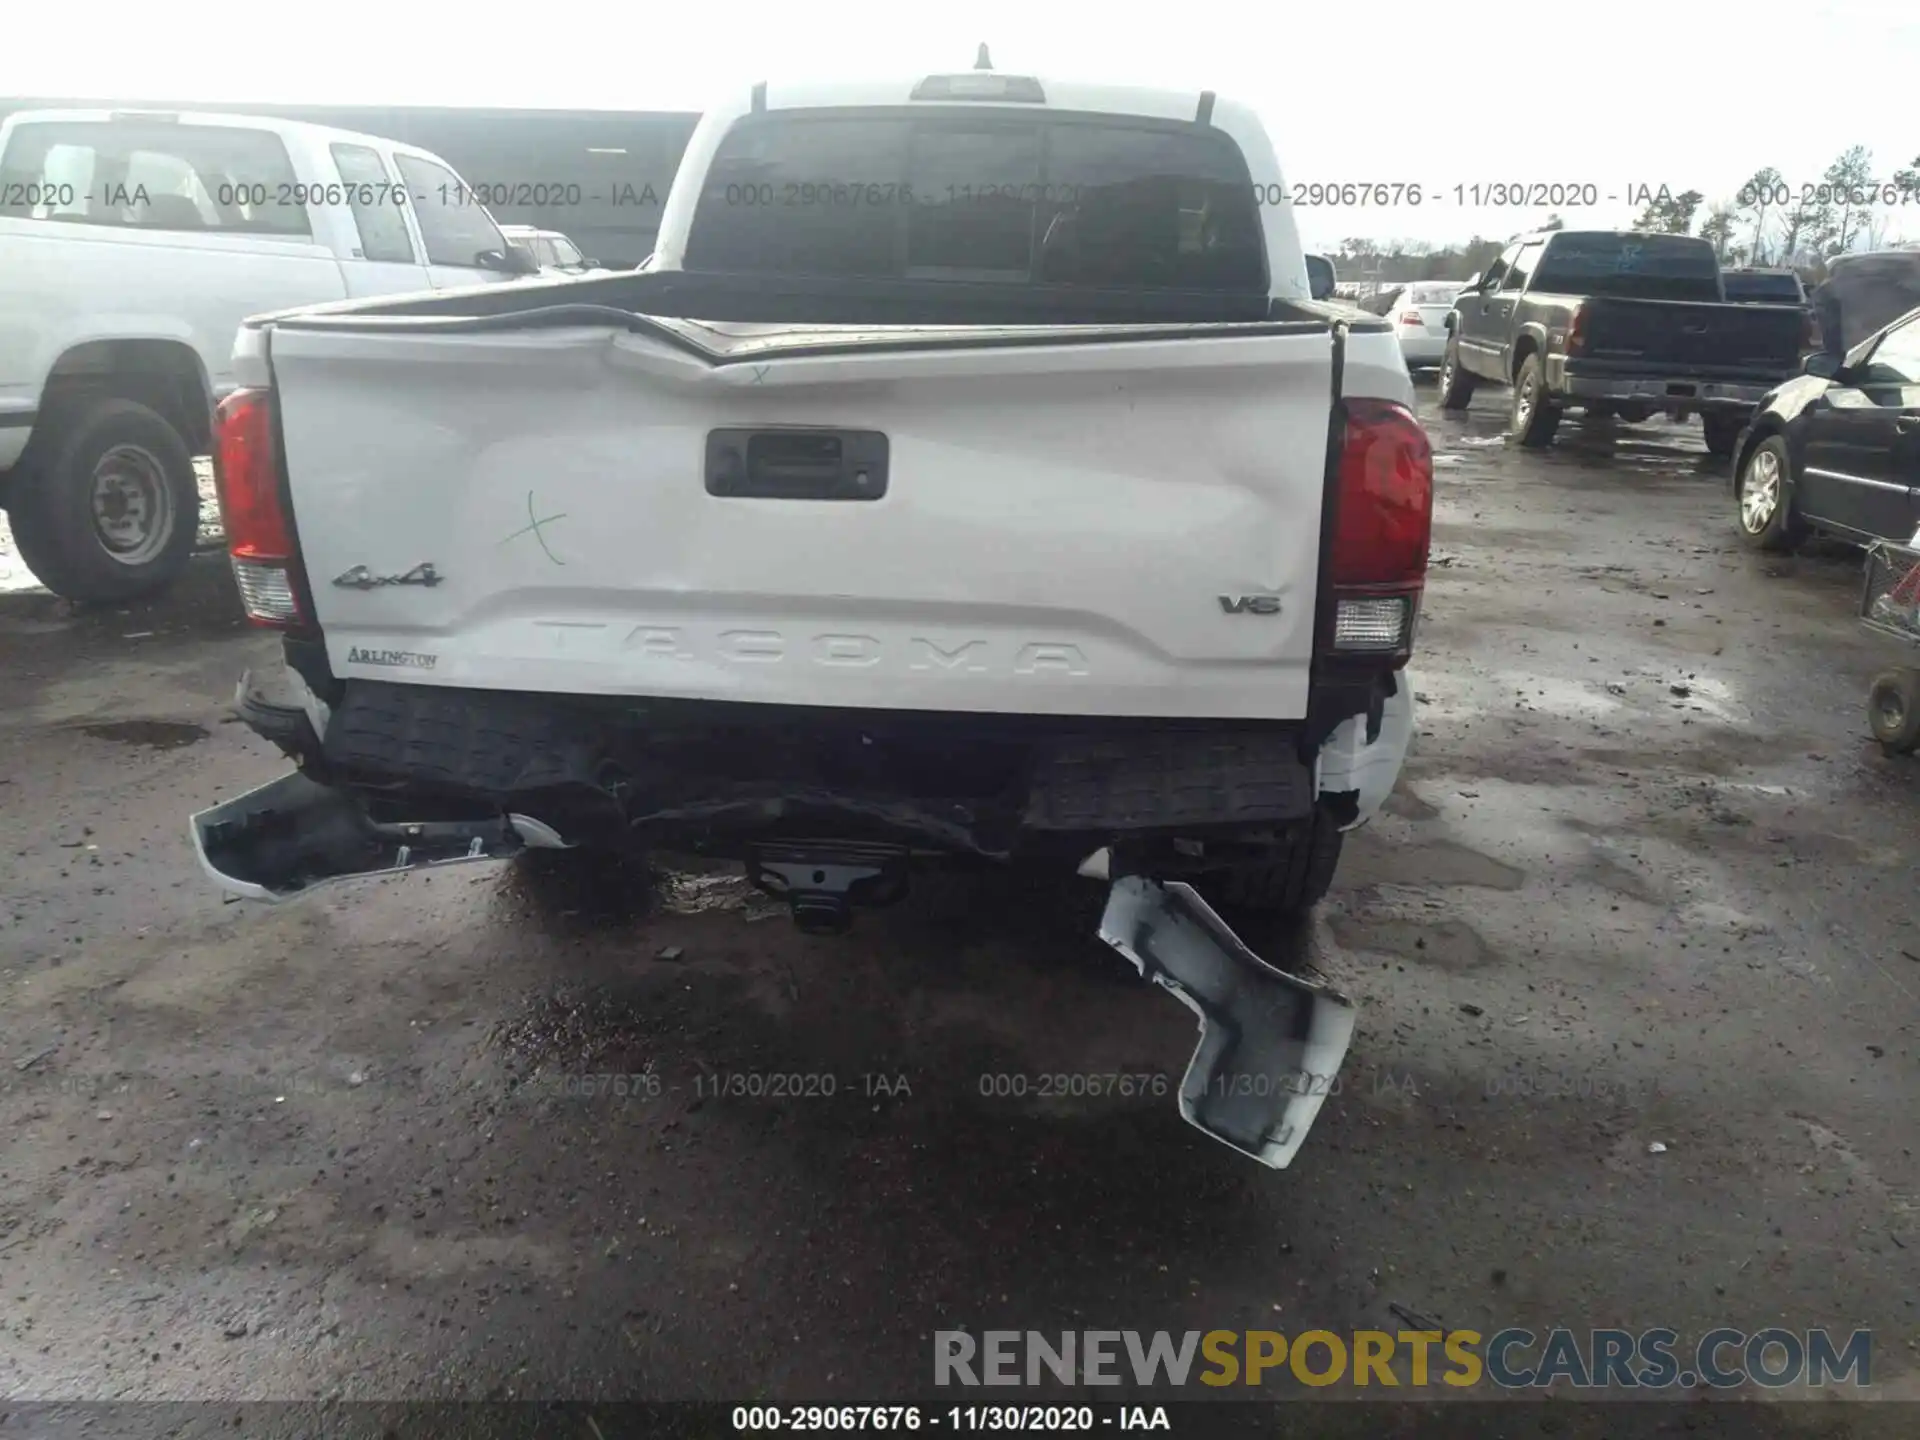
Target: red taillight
{"type": "Point", "coordinates": [1382, 525]}
{"type": "Point", "coordinates": [1412, 317]}
{"type": "Point", "coordinates": [259, 540]}
{"type": "Point", "coordinates": [1577, 330]}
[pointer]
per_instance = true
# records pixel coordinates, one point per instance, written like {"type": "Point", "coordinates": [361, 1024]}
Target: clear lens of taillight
{"type": "Point", "coordinates": [1383, 524]}
{"type": "Point", "coordinates": [259, 539]}
{"type": "Point", "coordinates": [1372, 623]}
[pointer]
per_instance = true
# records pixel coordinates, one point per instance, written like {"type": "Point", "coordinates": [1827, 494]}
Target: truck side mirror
{"type": "Point", "coordinates": [510, 261]}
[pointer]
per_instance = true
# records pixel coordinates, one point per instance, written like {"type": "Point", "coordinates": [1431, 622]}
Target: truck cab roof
{"type": "Point", "coordinates": [301, 132]}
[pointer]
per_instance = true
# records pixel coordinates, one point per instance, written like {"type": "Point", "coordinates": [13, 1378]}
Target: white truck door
{"type": "Point", "coordinates": [455, 228]}
{"type": "Point", "coordinates": [386, 260]}
{"type": "Point", "coordinates": [158, 229]}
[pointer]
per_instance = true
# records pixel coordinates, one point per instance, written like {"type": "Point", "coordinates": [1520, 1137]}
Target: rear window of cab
{"type": "Point", "coordinates": [1784, 289]}
{"type": "Point", "coordinates": [972, 196]}
{"type": "Point", "coordinates": [141, 174]}
{"type": "Point", "coordinates": [1635, 265]}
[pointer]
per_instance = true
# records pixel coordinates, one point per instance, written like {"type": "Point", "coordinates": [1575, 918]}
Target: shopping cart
{"type": "Point", "coordinates": [1890, 604]}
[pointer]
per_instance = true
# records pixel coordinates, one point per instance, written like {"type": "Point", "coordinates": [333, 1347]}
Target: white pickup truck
{"type": "Point", "coordinates": [132, 245]}
{"type": "Point", "coordinates": [968, 473]}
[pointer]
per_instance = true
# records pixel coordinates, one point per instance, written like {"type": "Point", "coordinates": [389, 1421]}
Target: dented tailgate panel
{"type": "Point", "coordinates": [1123, 527]}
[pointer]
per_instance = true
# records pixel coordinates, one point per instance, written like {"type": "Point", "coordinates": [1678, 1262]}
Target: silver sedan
{"type": "Point", "coordinates": [1418, 314]}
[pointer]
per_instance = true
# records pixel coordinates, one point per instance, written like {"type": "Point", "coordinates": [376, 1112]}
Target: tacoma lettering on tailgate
{"type": "Point", "coordinates": [844, 651]}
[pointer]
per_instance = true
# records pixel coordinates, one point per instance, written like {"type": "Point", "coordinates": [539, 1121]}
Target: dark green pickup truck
{"type": "Point", "coordinates": [1617, 322]}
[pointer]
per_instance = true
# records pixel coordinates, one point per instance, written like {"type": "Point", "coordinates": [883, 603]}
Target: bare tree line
{"type": "Point", "coordinates": [1766, 222]}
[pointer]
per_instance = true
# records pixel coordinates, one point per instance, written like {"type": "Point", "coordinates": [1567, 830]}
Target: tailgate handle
{"type": "Point", "coordinates": [797, 464]}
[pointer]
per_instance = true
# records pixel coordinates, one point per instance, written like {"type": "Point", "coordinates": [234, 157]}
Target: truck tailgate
{"type": "Point", "coordinates": [1694, 336]}
{"type": "Point", "coordinates": [1053, 522]}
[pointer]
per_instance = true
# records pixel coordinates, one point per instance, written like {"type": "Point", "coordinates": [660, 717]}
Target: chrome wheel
{"type": "Point", "coordinates": [1523, 402]}
{"type": "Point", "coordinates": [1446, 371]}
{"type": "Point", "coordinates": [1760, 491]}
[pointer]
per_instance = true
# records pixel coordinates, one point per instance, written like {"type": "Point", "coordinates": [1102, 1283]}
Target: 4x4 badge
{"type": "Point", "coordinates": [361, 578]}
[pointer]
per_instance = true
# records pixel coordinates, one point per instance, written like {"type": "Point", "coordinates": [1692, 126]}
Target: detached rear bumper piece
{"type": "Point", "coordinates": [1271, 1044]}
{"type": "Point", "coordinates": [293, 834]}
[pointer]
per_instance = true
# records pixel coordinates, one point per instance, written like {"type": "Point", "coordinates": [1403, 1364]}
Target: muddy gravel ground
{"type": "Point", "coordinates": [1646, 883]}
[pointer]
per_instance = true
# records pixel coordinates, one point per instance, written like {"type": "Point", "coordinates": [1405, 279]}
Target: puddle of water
{"type": "Point", "coordinates": [154, 734]}
{"type": "Point", "coordinates": [1446, 944]}
{"type": "Point", "coordinates": [1409, 806]}
{"type": "Point", "coordinates": [1434, 862]}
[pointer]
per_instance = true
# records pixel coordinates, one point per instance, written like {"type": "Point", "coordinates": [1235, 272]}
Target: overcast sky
{"type": "Point", "coordinates": [1618, 94]}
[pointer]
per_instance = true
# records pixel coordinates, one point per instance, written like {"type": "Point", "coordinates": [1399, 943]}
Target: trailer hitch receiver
{"type": "Point", "coordinates": [823, 880]}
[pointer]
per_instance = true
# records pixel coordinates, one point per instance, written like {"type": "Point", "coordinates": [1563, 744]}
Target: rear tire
{"type": "Point", "coordinates": [1722, 433]}
{"type": "Point", "coordinates": [1456, 385]}
{"type": "Point", "coordinates": [1763, 499]}
{"type": "Point", "coordinates": [1534, 417]}
{"type": "Point", "coordinates": [107, 508]}
{"type": "Point", "coordinates": [1893, 710]}
{"type": "Point", "coordinates": [1289, 884]}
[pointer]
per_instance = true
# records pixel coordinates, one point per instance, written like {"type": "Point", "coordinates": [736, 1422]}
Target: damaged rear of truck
{"type": "Point", "coordinates": [967, 475]}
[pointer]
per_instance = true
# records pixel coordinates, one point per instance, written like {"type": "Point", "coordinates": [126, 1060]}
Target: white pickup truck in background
{"type": "Point", "coordinates": [969, 473]}
{"type": "Point", "coordinates": [132, 245]}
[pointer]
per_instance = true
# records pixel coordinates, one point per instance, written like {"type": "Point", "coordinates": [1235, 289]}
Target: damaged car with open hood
{"type": "Point", "coordinates": [968, 473]}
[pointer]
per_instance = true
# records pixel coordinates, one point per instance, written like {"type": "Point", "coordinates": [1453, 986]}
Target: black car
{"type": "Point", "coordinates": [1618, 323]}
{"type": "Point", "coordinates": [1837, 448]}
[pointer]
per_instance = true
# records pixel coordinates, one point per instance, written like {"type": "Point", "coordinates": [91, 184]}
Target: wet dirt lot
{"type": "Point", "coordinates": [1645, 882]}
